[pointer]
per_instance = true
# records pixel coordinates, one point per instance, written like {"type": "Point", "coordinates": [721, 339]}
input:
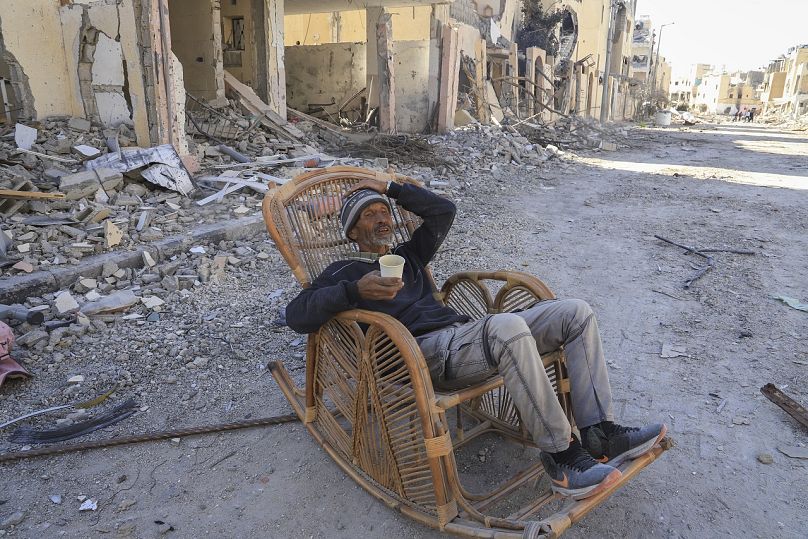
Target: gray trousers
{"type": "Point", "coordinates": [456, 358]}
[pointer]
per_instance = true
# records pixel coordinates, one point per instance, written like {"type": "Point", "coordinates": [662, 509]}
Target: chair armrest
{"type": "Point", "coordinates": [395, 330]}
{"type": "Point", "coordinates": [466, 292]}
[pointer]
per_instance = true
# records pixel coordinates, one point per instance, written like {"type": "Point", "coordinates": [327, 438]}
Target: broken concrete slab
{"type": "Point", "coordinates": [65, 303]}
{"type": "Point", "coordinates": [463, 118]}
{"type": "Point", "coordinates": [17, 288]}
{"type": "Point", "coordinates": [79, 185]}
{"type": "Point", "coordinates": [116, 302]}
{"type": "Point", "coordinates": [79, 124]}
{"type": "Point", "coordinates": [24, 136]}
{"type": "Point", "coordinates": [112, 234]}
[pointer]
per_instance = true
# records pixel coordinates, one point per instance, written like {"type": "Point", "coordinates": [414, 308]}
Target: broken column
{"type": "Point", "coordinates": [449, 78]}
{"type": "Point", "coordinates": [381, 85]}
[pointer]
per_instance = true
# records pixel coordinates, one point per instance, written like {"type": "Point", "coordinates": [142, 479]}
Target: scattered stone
{"type": "Point", "coordinates": [14, 519]}
{"type": "Point", "coordinates": [65, 304]}
{"type": "Point", "coordinates": [77, 379]}
{"type": "Point", "coordinates": [125, 504]}
{"type": "Point", "coordinates": [242, 210]}
{"type": "Point", "coordinates": [79, 124]}
{"type": "Point", "coordinates": [152, 302]}
{"type": "Point", "coordinates": [741, 420]}
{"type": "Point", "coordinates": [198, 250]}
{"type": "Point", "coordinates": [23, 266]}
{"type": "Point", "coordinates": [89, 505]}
{"type": "Point", "coordinates": [148, 260]}
{"type": "Point", "coordinates": [765, 458]}
{"type": "Point", "coordinates": [108, 269]}
{"type": "Point", "coordinates": [118, 301]}
{"type": "Point", "coordinates": [200, 362]}
{"type": "Point", "coordinates": [56, 498]}
{"type": "Point", "coordinates": [112, 234]}
{"type": "Point", "coordinates": [24, 247]}
{"type": "Point", "coordinates": [32, 337]}
{"type": "Point", "coordinates": [262, 255]}
{"type": "Point", "coordinates": [79, 185]}
{"type": "Point", "coordinates": [92, 295]}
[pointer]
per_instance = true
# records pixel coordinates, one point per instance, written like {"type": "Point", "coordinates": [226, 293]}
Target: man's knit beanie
{"type": "Point", "coordinates": [356, 202]}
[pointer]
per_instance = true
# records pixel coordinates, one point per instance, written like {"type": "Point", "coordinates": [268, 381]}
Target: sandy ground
{"type": "Point", "coordinates": [587, 228]}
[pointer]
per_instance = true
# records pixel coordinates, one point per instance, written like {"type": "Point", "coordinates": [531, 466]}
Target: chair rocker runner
{"type": "Point", "coordinates": [368, 399]}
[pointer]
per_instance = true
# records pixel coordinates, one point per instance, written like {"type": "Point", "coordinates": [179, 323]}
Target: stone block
{"type": "Point", "coordinates": [79, 185]}
{"type": "Point", "coordinates": [79, 124]}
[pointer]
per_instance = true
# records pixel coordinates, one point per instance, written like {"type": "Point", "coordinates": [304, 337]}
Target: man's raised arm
{"type": "Point", "coordinates": [437, 212]}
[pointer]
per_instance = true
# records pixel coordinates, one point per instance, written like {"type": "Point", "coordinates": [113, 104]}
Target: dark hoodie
{"type": "Point", "coordinates": [335, 289]}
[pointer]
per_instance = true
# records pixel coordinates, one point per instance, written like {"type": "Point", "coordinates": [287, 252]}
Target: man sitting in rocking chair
{"type": "Point", "coordinates": [460, 352]}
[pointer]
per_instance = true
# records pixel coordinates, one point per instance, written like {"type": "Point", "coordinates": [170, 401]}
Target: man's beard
{"type": "Point", "coordinates": [381, 240]}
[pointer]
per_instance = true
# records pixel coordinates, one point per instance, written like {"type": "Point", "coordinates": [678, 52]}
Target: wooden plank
{"type": "Point", "coordinates": [268, 117]}
{"type": "Point", "coordinates": [10, 193]}
{"type": "Point", "coordinates": [449, 70]}
{"type": "Point", "coordinates": [387, 75]}
{"type": "Point", "coordinates": [789, 405]}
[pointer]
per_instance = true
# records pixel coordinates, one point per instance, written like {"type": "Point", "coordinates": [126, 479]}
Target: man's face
{"type": "Point", "coordinates": [373, 230]}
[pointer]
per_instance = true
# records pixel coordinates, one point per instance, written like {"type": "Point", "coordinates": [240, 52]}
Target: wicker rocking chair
{"type": "Point", "coordinates": [368, 399]}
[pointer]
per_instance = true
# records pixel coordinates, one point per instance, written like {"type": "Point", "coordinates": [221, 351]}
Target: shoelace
{"type": "Point", "coordinates": [577, 458]}
{"type": "Point", "coordinates": [612, 429]}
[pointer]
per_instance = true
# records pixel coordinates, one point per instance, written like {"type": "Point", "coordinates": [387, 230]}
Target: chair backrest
{"type": "Point", "coordinates": [302, 217]}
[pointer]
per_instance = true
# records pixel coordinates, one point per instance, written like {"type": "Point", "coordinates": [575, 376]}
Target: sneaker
{"type": "Point", "coordinates": [573, 472]}
{"type": "Point", "coordinates": [613, 443]}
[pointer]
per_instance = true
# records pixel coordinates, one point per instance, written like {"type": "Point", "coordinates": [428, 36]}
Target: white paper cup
{"type": "Point", "coordinates": [392, 266]}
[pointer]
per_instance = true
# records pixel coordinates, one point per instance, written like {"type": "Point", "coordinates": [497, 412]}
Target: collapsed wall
{"type": "Point", "coordinates": [89, 59]}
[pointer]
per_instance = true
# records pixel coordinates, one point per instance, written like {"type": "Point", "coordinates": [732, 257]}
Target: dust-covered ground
{"type": "Point", "coordinates": [586, 225]}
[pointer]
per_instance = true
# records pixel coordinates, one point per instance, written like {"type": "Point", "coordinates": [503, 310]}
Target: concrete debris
{"type": "Point", "coordinates": [65, 303]}
{"type": "Point", "coordinates": [24, 136]}
{"type": "Point", "coordinates": [112, 234]}
{"type": "Point", "coordinates": [87, 151]}
{"type": "Point", "coordinates": [79, 124]}
{"type": "Point", "coordinates": [167, 168]}
{"type": "Point", "coordinates": [119, 301]}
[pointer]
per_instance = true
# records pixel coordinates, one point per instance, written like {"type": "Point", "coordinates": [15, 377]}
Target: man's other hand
{"type": "Point", "coordinates": [377, 185]}
{"type": "Point", "coordinates": [373, 286]}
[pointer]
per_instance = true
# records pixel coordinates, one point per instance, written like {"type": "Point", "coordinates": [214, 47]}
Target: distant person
{"type": "Point", "coordinates": [751, 116]}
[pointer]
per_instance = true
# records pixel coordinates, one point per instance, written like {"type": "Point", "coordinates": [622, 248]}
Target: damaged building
{"type": "Point", "coordinates": [785, 88]}
{"type": "Point", "coordinates": [404, 66]}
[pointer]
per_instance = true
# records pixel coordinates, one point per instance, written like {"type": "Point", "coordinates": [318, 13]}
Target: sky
{"type": "Point", "coordinates": [741, 34]}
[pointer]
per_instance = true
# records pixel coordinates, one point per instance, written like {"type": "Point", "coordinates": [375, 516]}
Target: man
{"type": "Point", "coordinates": [461, 352]}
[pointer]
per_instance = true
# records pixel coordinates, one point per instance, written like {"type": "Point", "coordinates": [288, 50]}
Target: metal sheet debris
{"type": "Point", "coordinates": [167, 171]}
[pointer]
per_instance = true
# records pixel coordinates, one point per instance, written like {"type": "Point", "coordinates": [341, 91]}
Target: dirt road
{"type": "Point", "coordinates": [586, 226]}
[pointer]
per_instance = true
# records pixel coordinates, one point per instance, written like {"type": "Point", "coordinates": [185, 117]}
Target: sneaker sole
{"type": "Point", "coordinates": [588, 492]}
{"type": "Point", "coordinates": [639, 450]}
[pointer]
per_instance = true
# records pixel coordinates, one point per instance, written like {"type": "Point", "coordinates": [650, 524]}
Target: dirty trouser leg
{"type": "Point", "coordinates": [515, 356]}
{"type": "Point", "coordinates": [571, 323]}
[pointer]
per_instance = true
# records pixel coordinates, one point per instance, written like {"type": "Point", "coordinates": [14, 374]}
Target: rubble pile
{"type": "Point", "coordinates": [103, 208]}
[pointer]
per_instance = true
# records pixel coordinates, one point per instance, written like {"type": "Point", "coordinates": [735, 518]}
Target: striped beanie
{"type": "Point", "coordinates": [355, 203]}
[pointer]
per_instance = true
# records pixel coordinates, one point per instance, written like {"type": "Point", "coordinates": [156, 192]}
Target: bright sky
{"type": "Point", "coordinates": [741, 34]}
